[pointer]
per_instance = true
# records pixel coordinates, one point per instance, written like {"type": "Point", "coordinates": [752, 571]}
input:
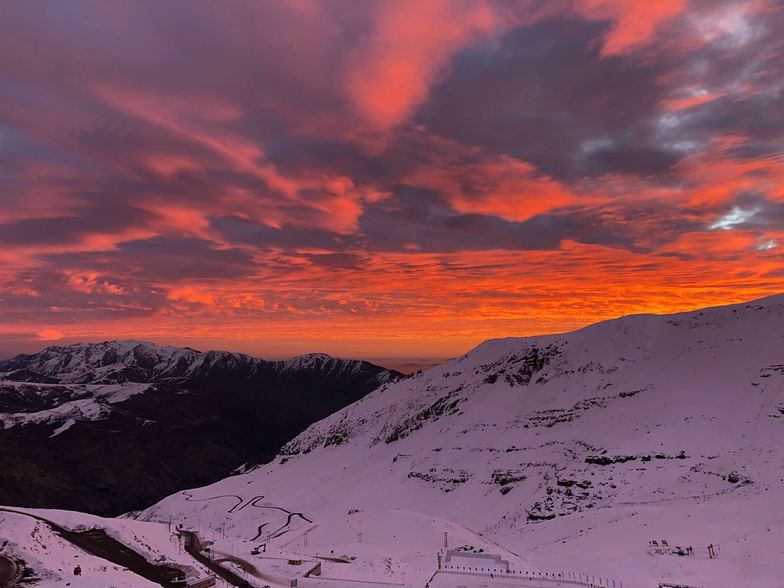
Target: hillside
{"type": "Point", "coordinates": [574, 450]}
{"type": "Point", "coordinates": [113, 426]}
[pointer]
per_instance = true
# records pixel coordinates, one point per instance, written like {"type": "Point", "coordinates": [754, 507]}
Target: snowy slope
{"type": "Point", "coordinates": [50, 560]}
{"type": "Point", "coordinates": [572, 450]}
{"type": "Point", "coordinates": [63, 405]}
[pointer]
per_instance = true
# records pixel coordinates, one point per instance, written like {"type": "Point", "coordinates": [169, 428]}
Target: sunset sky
{"type": "Point", "coordinates": [382, 179]}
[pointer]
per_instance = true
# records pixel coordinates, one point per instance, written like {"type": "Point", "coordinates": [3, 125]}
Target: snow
{"type": "Point", "coordinates": [101, 362]}
{"type": "Point", "coordinates": [308, 360]}
{"type": "Point", "coordinates": [94, 376]}
{"type": "Point", "coordinates": [311, 361]}
{"type": "Point", "coordinates": [93, 402]}
{"type": "Point", "coordinates": [54, 559]}
{"type": "Point", "coordinates": [64, 427]}
{"type": "Point", "coordinates": [748, 534]}
{"type": "Point", "coordinates": [563, 453]}
{"type": "Point", "coordinates": [497, 441]}
{"type": "Point", "coordinates": [108, 362]}
{"type": "Point", "coordinates": [82, 409]}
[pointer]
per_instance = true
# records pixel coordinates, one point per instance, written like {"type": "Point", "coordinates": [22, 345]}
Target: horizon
{"type": "Point", "coordinates": [382, 180]}
{"type": "Point", "coordinates": [406, 364]}
{"type": "Point", "coordinates": [403, 364]}
{"type": "Point", "coordinates": [568, 452]}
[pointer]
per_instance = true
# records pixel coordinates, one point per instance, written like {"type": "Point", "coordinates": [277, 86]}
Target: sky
{"type": "Point", "coordinates": [382, 179]}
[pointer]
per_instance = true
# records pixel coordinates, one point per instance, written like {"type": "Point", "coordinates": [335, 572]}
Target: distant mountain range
{"type": "Point", "coordinates": [109, 427]}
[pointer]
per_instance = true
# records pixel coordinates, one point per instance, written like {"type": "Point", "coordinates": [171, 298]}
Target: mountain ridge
{"type": "Point", "coordinates": [112, 426]}
{"type": "Point", "coordinates": [119, 361]}
{"type": "Point", "coordinates": [636, 422]}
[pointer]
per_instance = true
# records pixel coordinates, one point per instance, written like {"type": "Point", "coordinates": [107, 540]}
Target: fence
{"type": "Point", "coordinates": [573, 578]}
{"type": "Point", "coordinates": [314, 582]}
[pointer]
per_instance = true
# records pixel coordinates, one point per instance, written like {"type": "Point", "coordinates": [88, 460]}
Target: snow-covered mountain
{"type": "Point", "coordinates": [118, 362]}
{"type": "Point", "coordinates": [106, 427]}
{"type": "Point", "coordinates": [573, 450]}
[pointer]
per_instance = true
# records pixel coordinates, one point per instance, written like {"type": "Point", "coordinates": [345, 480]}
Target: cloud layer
{"type": "Point", "coordinates": [376, 178]}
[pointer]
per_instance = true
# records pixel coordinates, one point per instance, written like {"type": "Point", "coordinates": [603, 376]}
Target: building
{"type": "Point", "coordinates": [471, 561]}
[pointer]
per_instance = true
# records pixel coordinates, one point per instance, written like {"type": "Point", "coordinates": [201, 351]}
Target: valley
{"type": "Point", "coordinates": [111, 427]}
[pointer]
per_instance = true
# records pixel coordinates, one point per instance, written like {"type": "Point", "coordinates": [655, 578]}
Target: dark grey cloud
{"type": "Point", "coordinates": [246, 232]}
{"type": "Point", "coordinates": [420, 219]}
{"type": "Point", "coordinates": [750, 210]}
{"type": "Point", "coordinates": [348, 261]}
{"type": "Point", "coordinates": [545, 94]}
{"type": "Point", "coordinates": [92, 214]}
{"type": "Point", "coordinates": [163, 259]}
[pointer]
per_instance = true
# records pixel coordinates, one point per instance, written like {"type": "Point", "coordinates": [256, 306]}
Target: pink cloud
{"type": "Point", "coordinates": [476, 182]}
{"type": "Point", "coordinates": [408, 50]}
{"type": "Point", "coordinates": [635, 21]}
{"type": "Point", "coordinates": [691, 99]}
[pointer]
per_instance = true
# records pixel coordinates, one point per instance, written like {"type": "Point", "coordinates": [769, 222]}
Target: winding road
{"type": "Point", "coordinates": [242, 503]}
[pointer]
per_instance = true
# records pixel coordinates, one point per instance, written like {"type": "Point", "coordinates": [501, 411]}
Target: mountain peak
{"type": "Point", "coordinates": [118, 361]}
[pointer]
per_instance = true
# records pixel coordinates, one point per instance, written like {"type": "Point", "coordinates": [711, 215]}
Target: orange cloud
{"type": "Point", "coordinates": [216, 299]}
{"type": "Point", "coordinates": [716, 175]}
{"type": "Point", "coordinates": [441, 304]}
{"type": "Point", "coordinates": [192, 295]}
{"type": "Point", "coordinates": [501, 186]}
{"type": "Point", "coordinates": [50, 335]}
{"type": "Point", "coordinates": [91, 282]}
